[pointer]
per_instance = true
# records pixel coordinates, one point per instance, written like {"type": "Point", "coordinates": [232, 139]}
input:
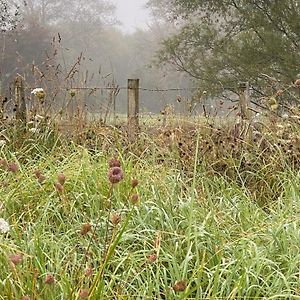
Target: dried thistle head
{"type": "Point", "coordinates": [116, 219]}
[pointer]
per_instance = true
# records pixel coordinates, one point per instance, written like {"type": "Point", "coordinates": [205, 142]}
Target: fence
{"type": "Point", "coordinates": [86, 104]}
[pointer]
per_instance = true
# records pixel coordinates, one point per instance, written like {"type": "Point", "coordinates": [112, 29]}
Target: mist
{"type": "Point", "coordinates": [60, 45]}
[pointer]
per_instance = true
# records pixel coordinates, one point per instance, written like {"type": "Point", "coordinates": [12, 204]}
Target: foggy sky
{"type": "Point", "coordinates": [132, 14]}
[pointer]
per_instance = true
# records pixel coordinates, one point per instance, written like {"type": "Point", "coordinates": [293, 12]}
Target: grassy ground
{"type": "Point", "coordinates": [193, 234]}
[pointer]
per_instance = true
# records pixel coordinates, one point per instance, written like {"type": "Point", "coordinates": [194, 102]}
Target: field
{"type": "Point", "coordinates": [201, 211]}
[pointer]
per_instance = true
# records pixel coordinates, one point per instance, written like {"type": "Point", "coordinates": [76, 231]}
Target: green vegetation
{"type": "Point", "coordinates": [211, 220]}
{"type": "Point", "coordinates": [222, 42]}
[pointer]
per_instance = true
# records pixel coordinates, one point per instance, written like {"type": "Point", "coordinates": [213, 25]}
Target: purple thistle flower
{"type": "Point", "coordinates": [13, 167]}
{"type": "Point", "coordinates": [114, 163]}
{"type": "Point", "coordinates": [115, 175]}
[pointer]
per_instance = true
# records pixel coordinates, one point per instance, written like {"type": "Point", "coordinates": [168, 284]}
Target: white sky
{"type": "Point", "coordinates": [132, 14]}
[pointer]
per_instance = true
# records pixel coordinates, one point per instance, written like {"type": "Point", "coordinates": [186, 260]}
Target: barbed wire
{"type": "Point", "coordinates": [127, 88]}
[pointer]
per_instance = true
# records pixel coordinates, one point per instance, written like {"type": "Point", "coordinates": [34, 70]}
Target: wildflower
{"type": "Point", "coordinates": [134, 183]}
{"type": "Point", "coordinates": [2, 143]}
{"type": "Point", "coordinates": [59, 187]}
{"type": "Point", "coordinates": [89, 272]}
{"type": "Point", "coordinates": [179, 286]}
{"type": "Point", "coordinates": [84, 294]}
{"type": "Point", "coordinates": [25, 298]}
{"type": "Point", "coordinates": [134, 198]}
{"type": "Point", "coordinates": [279, 93]}
{"type": "Point", "coordinates": [115, 175]}
{"type": "Point", "coordinates": [285, 116]}
{"type": "Point", "coordinates": [39, 92]}
{"type": "Point", "coordinates": [16, 258]}
{"type": "Point", "coordinates": [41, 179]}
{"type": "Point", "coordinates": [37, 173]}
{"type": "Point", "coordinates": [49, 279]}
{"type": "Point", "coordinates": [152, 258]}
{"type": "Point", "coordinates": [86, 228]}
{"type": "Point", "coordinates": [13, 167]}
{"type": "Point", "coordinates": [4, 226]}
{"type": "Point", "coordinates": [3, 163]}
{"type": "Point", "coordinates": [116, 219]}
{"type": "Point", "coordinates": [61, 178]}
{"type": "Point", "coordinates": [114, 163]}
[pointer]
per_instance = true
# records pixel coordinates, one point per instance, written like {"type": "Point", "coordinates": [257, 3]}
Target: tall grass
{"type": "Point", "coordinates": [200, 230]}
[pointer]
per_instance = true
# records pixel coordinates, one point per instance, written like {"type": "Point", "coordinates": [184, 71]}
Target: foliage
{"type": "Point", "coordinates": [221, 43]}
{"type": "Point", "coordinates": [194, 234]}
{"type": "Point", "coordinates": [9, 15]}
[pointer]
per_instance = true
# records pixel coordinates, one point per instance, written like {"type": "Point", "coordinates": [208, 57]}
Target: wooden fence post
{"type": "Point", "coordinates": [244, 100]}
{"type": "Point", "coordinates": [1, 104]}
{"type": "Point", "coordinates": [133, 109]}
{"type": "Point", "coordinates": [20, 104]}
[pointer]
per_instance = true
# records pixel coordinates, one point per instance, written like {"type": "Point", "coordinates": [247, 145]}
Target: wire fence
{"type": "Point", "coordinates": [108, 104]}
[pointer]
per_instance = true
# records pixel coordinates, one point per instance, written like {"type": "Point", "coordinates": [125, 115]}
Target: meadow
{"type": "Point", "coordinates": [201, 211]}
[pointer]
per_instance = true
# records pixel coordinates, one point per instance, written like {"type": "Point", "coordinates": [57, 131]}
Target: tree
{"type": "Point", "coordinates": [53, 12]}
{"type": "Point", "coordinates": [220, 43]}
{"type": "Point", "coordinates": [9, 15]}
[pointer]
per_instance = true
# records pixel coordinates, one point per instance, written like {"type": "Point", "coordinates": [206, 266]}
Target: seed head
{"type": "Point", "coordinates": [297, 82]}
{"type": "Point", "coordinates": [49, 279]}
{"type": "Point", "coordinates": [134, 198]}
{"type": "Point", "coordinates": [89, 272]}
{"type": "Point", "coordinates": [152, 258]}
{"type": "Point", "coordinates": [39, 92]}
{"type": "Point", "coordinates": [13, 167]}
{"type": "Point", "coordinates": [114, 163]}
{"type": "Point", "coordinates": [279, 93]}
{"type": "Point", "coordinates": [16, 258]}
{"type": "Point", "coordinates": [86, 228]}
{"type": "Point", "coordinates": [179, 286]}
{"type": "Point", "coordinates": [59, 187]}
{"type": "Point", "coordinates": [84, 294]}
{"type": "Point", "coordinates": [116, 219]}
{"type": "Point", "coordinates": [115, 175]}
{"type": "Point", "coordinates": [134, 183]}
{"type": "Point", "coordinates": [37, 173]}
{"type": "Point", "coordinates": [61, 178]}
{"type": "Point", "coordinates": [41, 179]}
{"type": "Point", "coordinates": [3, 163]}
